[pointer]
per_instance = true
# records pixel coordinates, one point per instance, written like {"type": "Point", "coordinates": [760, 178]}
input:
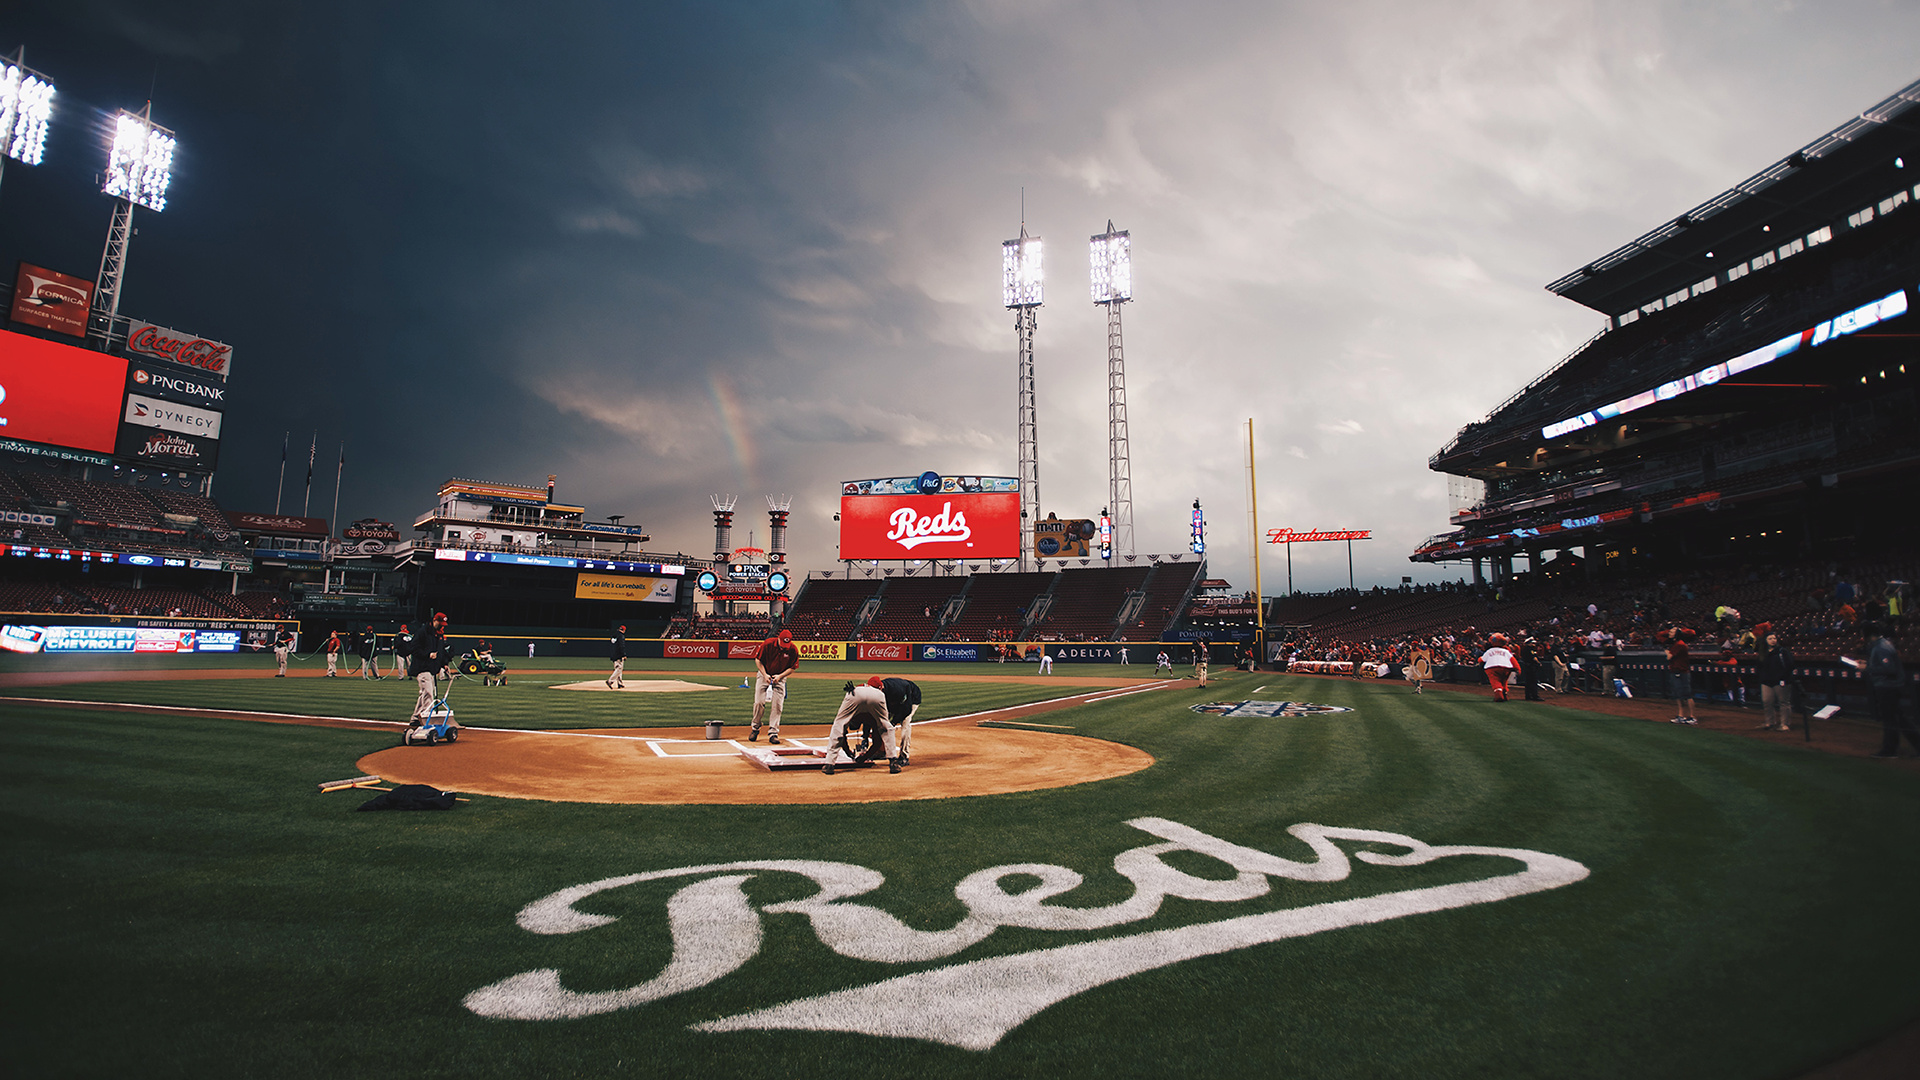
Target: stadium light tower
{"type": "Point", "coordinates": [139, 169]}
{"type": "Point", "coordinates": [1021, 273]}
{"type": "Point", "coordinates": [1111, 255]}
{"type": "Point", "coordinates": [26, 104]}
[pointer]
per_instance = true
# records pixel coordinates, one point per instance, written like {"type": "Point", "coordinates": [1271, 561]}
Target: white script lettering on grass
{"type": "Point", "coordinates": [973, 1005]}
{"type": "Point", "coordinates": [912, 531]}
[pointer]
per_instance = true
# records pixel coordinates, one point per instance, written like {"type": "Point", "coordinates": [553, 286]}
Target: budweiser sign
{"type": "Point", "coordinates": [51, 300]}
{"type": "Point", "coordinates": [146, 339]}
{"type": "Point", "coordinates": [1307, 536]}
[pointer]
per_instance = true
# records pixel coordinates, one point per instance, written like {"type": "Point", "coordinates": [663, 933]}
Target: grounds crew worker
{"type": "Point", "coordinates": [282, 645]}
{"type": "Point", "coordinates": [429, 658]}
{"type": "Point", "coordinates": [903, 701]}
{"type": "Point", "coordinates": [870, 705]}
{"type": "Point", "coordinates": [368, 647]}
{"type": "Point", "coordinates": [775, 661]}
{"type": "Point", "coordinates": [402, 645]}
{"type": "Point", "coordinates": [617, 678]}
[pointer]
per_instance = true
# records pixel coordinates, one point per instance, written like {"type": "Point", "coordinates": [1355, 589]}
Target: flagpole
{"type": "Point", "coordinates": [306, 501]}
{"type": "Point", "coordinates": [282, 485]}
{"type": "Point", "coordinates": [338, 473]}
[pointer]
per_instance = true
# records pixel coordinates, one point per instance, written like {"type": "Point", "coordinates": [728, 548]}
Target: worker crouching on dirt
{"type": "Point", "coordinates": [868, 705]}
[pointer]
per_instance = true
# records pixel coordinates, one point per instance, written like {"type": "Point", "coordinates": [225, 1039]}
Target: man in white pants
{"type": "Point", "coordinates": [430, 656]}
{"type": "Point", "coordinates": [776, 660]}
{"type": "Point", "coordinates": [1163, 662]}
{"type": "Point", "coordinates": [282, 645]}
{"type": "Point", "coordinates": [1123, 656]}
{"type": "Point", "coordinates": [870, 704]}
{"type": "Point", "coordinates": [1046, 661]}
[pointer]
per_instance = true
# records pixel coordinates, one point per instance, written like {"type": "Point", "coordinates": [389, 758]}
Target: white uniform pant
{"type": "Point", "coordinates": [769, 697]}
{"type": "Point", "coordinates": [1046, 664]}
{"type": "Point", "coordinates": [333, 663]}
{"type": "Point", "coordinates": [425, 702]}
{"type": "Point", "coordinates": [905, 728]}
{"type": "Point", "coordinates": [618, 677]}
{"type": "Point", "coordinates": [280, 657]}
{"type": "Point", "coordinates": [857, 704]}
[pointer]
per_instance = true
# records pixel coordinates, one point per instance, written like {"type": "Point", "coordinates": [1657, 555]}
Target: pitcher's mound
{"type": "Point", "coordinates": [642, 686]}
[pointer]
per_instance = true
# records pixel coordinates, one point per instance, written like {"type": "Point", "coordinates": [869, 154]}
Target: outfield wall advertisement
{"type": "Point", "coordinates": [211, 637]}
{"type": "Point", "coordinates": [640, 589]}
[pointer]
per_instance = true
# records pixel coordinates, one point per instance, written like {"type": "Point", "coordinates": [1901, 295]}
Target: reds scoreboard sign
{"type": "Point", "coordinates": [930, 517]}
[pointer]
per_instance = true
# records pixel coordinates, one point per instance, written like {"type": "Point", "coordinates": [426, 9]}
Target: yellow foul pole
{"type": "Point", "coordinates": [1259, 604]}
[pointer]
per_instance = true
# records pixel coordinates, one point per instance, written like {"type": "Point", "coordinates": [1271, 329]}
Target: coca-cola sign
{"type": "Point", "coordinates": [943, 526]}
{"type": "Point", "coordinates": [147, 339]}
{"type": "Point", "coordinates": [885, 650]}
{"type": "Point", "coordinates": [51, 300]}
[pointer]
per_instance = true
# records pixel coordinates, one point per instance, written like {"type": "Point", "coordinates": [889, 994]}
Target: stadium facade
{"type": "Point", "coordinates": [1750, 396]}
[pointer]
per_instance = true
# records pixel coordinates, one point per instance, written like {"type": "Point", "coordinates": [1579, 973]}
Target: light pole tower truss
{"type": "Point", "coordinates": [1021, 273]}
{"type": "Point", "coordinates": [139, 170]}
{"type": "Point", "coordinates": [1111, 258]}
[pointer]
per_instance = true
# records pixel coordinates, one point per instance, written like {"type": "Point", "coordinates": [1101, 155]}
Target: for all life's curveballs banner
{"type": "Point", "coordinates": [596, 586]}
{"type": "Point", "coordinates": [957, 525]}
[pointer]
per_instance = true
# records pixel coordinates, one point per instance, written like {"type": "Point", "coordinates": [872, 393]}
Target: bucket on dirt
{"type": "Point", "coordinates": [713, 729]}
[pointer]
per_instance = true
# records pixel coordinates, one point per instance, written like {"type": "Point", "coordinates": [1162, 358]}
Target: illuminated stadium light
{"type": "Point", "coordinates": [1111, 257]}
{"type": "Point", "coordinates": [1892, 305]}
{"type": "Point", "coordinates": [1021, 271]}
{"type": "Point", "coordinates": [26, 104]}
{"type": "Point", "coordinates": [140, 165]}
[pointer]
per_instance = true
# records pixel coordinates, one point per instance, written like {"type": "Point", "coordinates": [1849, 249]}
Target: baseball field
{"type": "Point", "coordinates": [1081, 875]}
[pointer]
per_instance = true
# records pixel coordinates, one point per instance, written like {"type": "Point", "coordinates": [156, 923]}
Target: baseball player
{"type": "Point", "coordinates": [776, 660]}
{"type": "Point", "coordinates": [870, 705]}
{"type": "Point", "coordinates": [903, 703]}
{"type": "Point", "coordinates": [1500, 665]}
{"type": "Point", "coordinates": [1163, 662]}
{"type": "Point", "coordinates": [1046, 661]}
{"type": "Point", "coordinates": [282, 645]}
{"type": "Point", "coordinates": [617, 679]}
{"type": "Point", "coordinates": [429, 658]}
{"type": "Point", "coordinates": [1123, 656]}
{"type": "Point", "coordinates": [1200, 663]}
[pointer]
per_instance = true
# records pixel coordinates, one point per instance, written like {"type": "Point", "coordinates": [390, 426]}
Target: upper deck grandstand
{"type": "Point", "coordinates": [1751, 396]}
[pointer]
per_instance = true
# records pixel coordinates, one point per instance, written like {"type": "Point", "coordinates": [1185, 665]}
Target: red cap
{"type": "Point", "coordinates": [873, 681]}
{"type": "Point", "coordinates": [439, 615]}
{"type": "Point", "coordinates": [786, 635]}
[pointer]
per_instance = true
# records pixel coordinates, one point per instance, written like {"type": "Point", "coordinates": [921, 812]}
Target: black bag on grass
{"type": "Point", "coordinates": [410, 797]}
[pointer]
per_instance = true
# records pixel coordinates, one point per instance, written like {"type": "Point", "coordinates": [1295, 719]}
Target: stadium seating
{"type": "Point", "coordinates": [997, 605]}
{"type": "Point", "coordinates": [1087, 603]}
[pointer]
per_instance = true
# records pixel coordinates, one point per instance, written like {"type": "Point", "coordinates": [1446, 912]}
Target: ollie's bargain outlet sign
{"type": "Point", "coordinates": [948, 525]}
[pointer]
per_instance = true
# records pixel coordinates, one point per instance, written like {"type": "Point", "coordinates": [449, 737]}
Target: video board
{"type": "Point", "coordinates": [60, 395]}
{"type": "Point", "coordinates": [930, 517]}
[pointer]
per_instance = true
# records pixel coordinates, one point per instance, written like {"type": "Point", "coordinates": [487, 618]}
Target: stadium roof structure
{"type": "Point", "coordinates": [1841, 171]}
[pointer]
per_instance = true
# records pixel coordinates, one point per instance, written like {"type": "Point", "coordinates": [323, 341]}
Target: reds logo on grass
{"type": "Point", "coordinates": [1267, 708]}
{"type": "Point", "coordinates": [716, 930]}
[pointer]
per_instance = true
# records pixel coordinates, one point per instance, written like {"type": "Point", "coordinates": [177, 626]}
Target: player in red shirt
{"type": "Point", "coordinates": [776, 660]}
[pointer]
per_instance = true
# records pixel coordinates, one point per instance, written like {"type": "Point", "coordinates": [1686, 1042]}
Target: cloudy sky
{"type": "Point", "coordinates": [671, 250]}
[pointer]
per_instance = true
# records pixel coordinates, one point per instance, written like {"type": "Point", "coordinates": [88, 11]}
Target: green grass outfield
{"type": "Point", "coordinates": [178, 901]}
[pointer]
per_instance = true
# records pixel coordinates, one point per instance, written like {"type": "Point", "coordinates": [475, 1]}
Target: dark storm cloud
{"type": "Point", "coordinates": [666, 250]}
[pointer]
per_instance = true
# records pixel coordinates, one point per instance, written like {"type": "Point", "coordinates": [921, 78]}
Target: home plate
{"type": "Point", "coordinates": [787, 758]}
{"type": "Point", "coordinates": [655, 686]}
